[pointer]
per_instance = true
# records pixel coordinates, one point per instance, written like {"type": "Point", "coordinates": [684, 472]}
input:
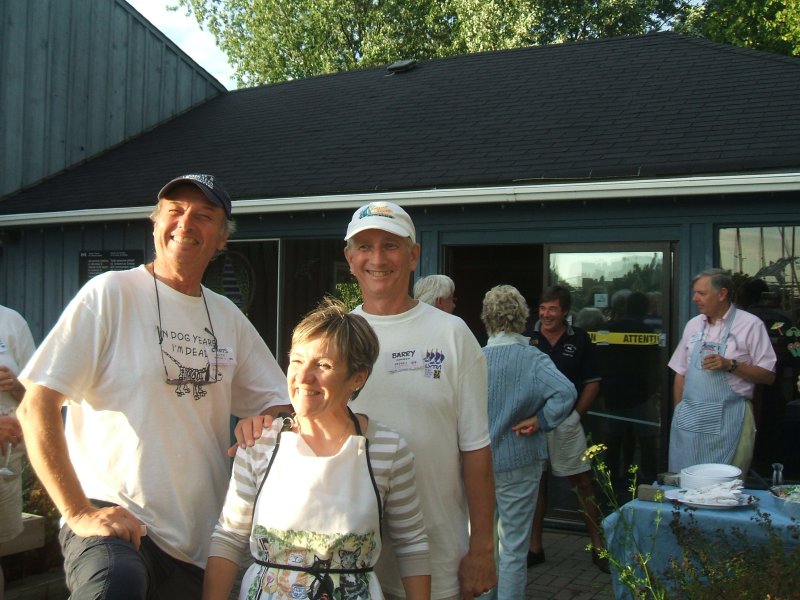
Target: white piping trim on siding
{"type": "Point", "coordinates": [522, 192]}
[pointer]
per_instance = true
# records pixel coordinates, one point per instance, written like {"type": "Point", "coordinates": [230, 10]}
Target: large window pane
{"type": "Point", "coordinates": [763, 261]}
{"type": "Point", "coordinates": [621, 299]}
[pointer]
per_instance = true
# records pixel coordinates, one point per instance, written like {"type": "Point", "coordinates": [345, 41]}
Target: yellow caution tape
{"type": "Point", "coordinates": [619, 338]}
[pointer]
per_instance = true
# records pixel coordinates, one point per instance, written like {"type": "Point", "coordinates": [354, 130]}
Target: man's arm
{"type": "Point", "coordinates": [677, 389]}
{"type": "Point", "coordinates": [40, 417]}
{"type": "Point", "coordinates": [586, 397]}
{"type": "Point", "coordinates": [477, 573]}
{"type": "Point", "coordinates": [751, 373]}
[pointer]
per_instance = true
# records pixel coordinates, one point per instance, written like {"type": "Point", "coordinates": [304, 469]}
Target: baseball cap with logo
{"type": "Point", "coordinates": [386, 216]}
{"type": "Point", "coordinates": [211, 187]}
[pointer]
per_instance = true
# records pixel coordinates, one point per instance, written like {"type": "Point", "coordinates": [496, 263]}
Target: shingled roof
{"type": "Point", "coordinates": [657, 105]}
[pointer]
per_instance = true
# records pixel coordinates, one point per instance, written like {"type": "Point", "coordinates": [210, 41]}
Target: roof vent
{"type": "Point", "coordinates": [401, 66]}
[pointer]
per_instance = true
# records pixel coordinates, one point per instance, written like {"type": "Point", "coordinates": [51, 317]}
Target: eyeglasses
{"type": "Point", "coordinates": [188, 376]}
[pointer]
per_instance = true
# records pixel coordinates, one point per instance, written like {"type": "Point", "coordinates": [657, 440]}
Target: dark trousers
{"type": "Point", "coordinates": [111, 568]}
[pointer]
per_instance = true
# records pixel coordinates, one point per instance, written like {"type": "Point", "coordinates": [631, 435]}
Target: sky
{"type": "Point", "coordinates": [186, 33]}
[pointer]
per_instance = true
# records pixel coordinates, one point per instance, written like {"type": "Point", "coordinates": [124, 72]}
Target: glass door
{"type": "Point", "coordinates": [621, 295]}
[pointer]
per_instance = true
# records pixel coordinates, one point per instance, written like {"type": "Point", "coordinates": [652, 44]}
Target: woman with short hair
{"type": "Point", "coordinates": [527, 395]}
{"type": "Point", "coordinates": [313, 496]}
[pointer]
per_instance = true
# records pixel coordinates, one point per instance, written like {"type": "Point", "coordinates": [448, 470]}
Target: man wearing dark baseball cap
{"type": "Point", "coordinates": [211, 187]}
{"type": "Point", "coordinates": [150, 365]}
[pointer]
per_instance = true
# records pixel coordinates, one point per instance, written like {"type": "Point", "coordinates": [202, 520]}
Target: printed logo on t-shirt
{"type": "Point", "coordinates": [191, 360]}
{"type": "Point", "coordinates": [3, 346]}
{"type": "Point", "coordinates": [569, 350]}
{"type": "Point", "coordinates": [434, 359]}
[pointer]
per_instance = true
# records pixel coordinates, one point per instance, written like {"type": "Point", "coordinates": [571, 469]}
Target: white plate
{"type": "Point", "coordinates": [712, 470]}
{"type": "Point", "coordinates": [677, 495]}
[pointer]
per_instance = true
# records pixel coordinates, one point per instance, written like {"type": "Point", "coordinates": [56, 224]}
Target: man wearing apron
{"type": "Point", "coordinates": [723, 354]}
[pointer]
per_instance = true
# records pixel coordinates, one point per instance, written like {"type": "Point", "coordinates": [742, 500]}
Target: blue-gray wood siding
{"type": "Point", "coordinates": [39, 265]}
{"type": "Point", "coordinates": [80, 76]}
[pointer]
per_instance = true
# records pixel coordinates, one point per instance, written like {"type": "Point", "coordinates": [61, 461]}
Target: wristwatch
{"type": "Point", "coordinates": [734, 365]}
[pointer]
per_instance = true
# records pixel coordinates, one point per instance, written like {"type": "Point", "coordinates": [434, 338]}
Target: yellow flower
{"type": "Point", "coordinates": [593, 451]}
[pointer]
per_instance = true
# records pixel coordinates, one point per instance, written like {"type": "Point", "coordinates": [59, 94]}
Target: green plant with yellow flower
{"type": "Point", "coordinates": [710, 565]}
{"type": "Point", "coordinates": [634, 571]}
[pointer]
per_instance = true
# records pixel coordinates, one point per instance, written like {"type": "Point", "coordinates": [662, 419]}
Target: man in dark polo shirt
{"type": "Point", "coordinates": [573, 354]}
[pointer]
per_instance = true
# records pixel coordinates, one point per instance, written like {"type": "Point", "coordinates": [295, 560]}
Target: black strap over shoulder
{"type": "Point", "coordinates": [369, 467]}
{"type": "Point", "coordinates": [287, 425]}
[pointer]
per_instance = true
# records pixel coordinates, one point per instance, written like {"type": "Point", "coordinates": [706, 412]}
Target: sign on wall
{"type": "Point", "coordinates": [94, 262]}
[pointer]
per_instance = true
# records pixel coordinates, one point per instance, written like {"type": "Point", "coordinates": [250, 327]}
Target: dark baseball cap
{"type": "Point", "coordinates": [211, 187]}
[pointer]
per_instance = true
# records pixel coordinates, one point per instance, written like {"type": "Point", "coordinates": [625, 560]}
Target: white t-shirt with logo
{"type": "Point", "coordinates": [430, 384]}
{"type": "Point", "coordinates": [156, 448]}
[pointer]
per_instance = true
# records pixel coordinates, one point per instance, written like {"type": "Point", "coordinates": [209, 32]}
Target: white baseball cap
{"type": "Point", "coordinates": [382, 215]}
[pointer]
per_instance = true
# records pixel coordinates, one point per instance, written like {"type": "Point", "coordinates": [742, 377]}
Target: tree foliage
{"type": "Point", "coordinates": [769, 25]}
{"type": "Point", "coordinates": [277, 40]}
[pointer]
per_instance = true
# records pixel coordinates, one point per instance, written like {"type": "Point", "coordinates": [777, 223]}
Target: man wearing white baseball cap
{"type": "Point", "coordinates": [430, 384]}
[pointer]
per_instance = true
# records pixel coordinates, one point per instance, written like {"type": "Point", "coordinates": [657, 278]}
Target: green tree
{"type": "Point", "coordinates": [498, 24]}
{"type": "Point", "coordinates": [276, 40]}
{"type": "Point", "coordinates": [769, 25]}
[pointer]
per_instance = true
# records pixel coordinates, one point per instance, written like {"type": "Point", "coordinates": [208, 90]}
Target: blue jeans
{"type": "Point", "coordinates": [515, 494]}
{"type": "Point", "coordinates": [108, 567]}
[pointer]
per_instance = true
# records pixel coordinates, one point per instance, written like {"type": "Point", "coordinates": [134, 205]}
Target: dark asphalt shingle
{"type": "Point", "coordinates": [643, 106]}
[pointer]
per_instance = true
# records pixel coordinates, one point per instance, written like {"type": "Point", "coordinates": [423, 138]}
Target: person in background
{"type": "Point", "coordinates": [573, 354]}
{"type": "Point", "coordinates": [590, 319]}
{"type": "Point", "coordinates": [150, 365]}
{"type": "Point", "coordinates": [630, 386]}
{"type": "Point", "coordinates": [527, 396]}
{"type": "Point", "coordinates": [769, 401]}
{"type": "Point", "coordinates": [304, 496]}
{"type": "Point", "coordinates": [436, 290]}
{"type": "Point", "coordinates": [430, 385]}
{"type": "Point", "coordinates": [16, 347]}
{"type": "Point", "coordinates": [723, 354]}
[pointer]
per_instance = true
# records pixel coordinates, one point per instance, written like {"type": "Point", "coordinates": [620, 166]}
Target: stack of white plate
{"type": "Point", "coordinates": [707, 474]}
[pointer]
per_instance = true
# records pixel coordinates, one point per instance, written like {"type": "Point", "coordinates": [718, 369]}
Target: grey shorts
{"type": "Point", "coordinates": [566, 445]}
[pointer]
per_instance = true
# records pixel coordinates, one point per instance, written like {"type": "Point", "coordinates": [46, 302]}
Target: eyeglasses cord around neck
{"type": "Point", "coordinates": [161, 334]}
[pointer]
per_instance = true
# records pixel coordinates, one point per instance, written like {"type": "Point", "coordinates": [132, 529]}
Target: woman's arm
{"type": "Point", "coordinates": [231, 534]}
{"type": "Point", "coordinates": [417, 587]}
{"type": "Point", "coordinates": [219, 578]}
{"type": "Point", "coordinates": [402, 513]}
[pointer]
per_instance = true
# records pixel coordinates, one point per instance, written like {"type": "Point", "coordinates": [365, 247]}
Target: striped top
{"type": "Point", "coordinates": [393, 468]}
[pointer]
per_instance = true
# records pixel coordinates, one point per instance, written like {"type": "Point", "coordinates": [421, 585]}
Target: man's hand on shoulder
{"type": "Point", "coordinates": [249, 429]}
{"type": "Point", "coordinates": [113, 521]}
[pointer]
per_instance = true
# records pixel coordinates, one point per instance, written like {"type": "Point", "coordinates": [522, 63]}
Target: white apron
{"type": "Point", "coordinates": [316, 525]}
{"type": "Point", "coordinates": [708, 420]}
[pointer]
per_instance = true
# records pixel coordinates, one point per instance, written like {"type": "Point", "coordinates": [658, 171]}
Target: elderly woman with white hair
{"type": "Point", "coordinates": [527, 395]}
{"type": "Point", "coordinates": [436, 290]}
